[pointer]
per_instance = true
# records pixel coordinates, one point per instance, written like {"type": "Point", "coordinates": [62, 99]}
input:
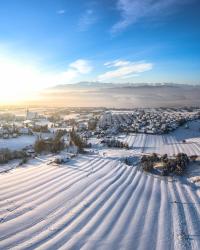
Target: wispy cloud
{"type": "Point", "coordinates": [61, 12]}
{"type": "Point", "coordinates": [131, 11]}
{"type": "Point", "coordinates": [81, 66]}
{"type": "Point", "coordinates": [116, 63]}
{"type": "Point", "coordinates": [76, 69]}
{"type": "Point", "coordinates": [87, 20]}
{"type": "Point", "coordinates": [124, 69]}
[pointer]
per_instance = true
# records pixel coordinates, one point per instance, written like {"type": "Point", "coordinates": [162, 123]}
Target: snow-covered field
{"type": "Point", "coordinates": [170, 143]}
{"type": "Point", "coordinates": [23, 140]}
{"type": "Point", "coordinates": [17, 143]}
{"type": "Point", "coordinates": [142, 143]}
{"type": "Point", "coordinates": [96, 203]}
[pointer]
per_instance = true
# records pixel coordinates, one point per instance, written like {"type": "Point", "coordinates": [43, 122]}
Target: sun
{"type": "Point", "coordinates": [18, 81]}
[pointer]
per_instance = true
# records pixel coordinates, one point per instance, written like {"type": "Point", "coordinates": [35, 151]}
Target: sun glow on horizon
{"type": "Point", "coordinates": [20, 81]}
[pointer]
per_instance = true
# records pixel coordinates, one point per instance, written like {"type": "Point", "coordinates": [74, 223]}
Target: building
{"type": "Point", "coordinates": [31, 115]}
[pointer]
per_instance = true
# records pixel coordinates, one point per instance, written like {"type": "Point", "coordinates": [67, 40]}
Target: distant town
{"type": "Point", "coordinates": [31, 132]}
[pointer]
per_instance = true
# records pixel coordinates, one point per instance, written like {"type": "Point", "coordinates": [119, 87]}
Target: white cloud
{"type": "Point", "coordinates": [124, 69]}
{"type": "Point", "coordinates": [133, 10]}
{"type": "Point", "coordinates": [75, 69]}
{"type": "Point", "coordinates": [81, 66]}
{"type": "Point", "coordinates": [61, 12]}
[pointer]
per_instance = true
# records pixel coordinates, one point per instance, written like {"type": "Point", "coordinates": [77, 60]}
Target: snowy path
{"type": "Point", "coordinates": [96, 203]}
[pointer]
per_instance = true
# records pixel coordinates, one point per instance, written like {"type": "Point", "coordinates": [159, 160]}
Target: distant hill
{"type": "Point", "coordinates": [123, 95]}
{"type": "Point", "coordinates": [84, 85]}
{"type": "Point", "coordinates": [111, 85]}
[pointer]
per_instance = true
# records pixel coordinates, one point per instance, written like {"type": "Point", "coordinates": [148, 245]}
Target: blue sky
{"type": "Point", "coordinates": [57, 42]}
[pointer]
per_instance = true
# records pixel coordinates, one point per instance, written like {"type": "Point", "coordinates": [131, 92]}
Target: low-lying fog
{"type": "Point", "coordinates": [119, 96]}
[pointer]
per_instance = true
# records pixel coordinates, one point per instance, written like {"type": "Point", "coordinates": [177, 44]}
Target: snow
{"type": "Point", "coordinates": [17, 143]}
{"type": "Point", "coordinates": [4, 168]}
{"type": "Point", "coordinates": [171, 143]}
{"type": "Point", "coordinates": [168, 144]}
{"type": "Point", "coordinates": [54, 130]}
{"type": "Point", "coordinates": [193, 173]}
{"type": "Point", "coordinates": [119, 154]}
{"type": "Point", "coordinates": [71, 116]}
{"type": "Point", "coordinates": [96, 203]}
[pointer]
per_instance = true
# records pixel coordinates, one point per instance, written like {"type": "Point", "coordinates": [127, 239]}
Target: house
{"type": "Point", "coordinates": [82, 126]}
{"type": "Point", "coordinates": [24, 131]}
{"type": "Point", "coordinates": [5, 136]}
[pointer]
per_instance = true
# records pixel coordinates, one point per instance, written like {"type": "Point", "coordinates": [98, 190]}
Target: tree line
{"type": "Point", "coordinates": [176, 165]}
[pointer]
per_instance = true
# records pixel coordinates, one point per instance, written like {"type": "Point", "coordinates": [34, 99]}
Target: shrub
{"type": "Point", "coordinates": [92, 124]}
{"type": "Point", "coordinates": [147, 166]}
{"type": "Point", "coordinates": [57, 145]}
{"type": "Point", "coordinates": [154, 157]}
{"type": "Point", "coordinates": [181, 163]}
{"type": "Point", "coordinates": [7, 155]}
{"type": "Point", "coordinates": [164, 158]}
{"type": "Point", "coordinates": [144, 158]}
{"type": "Point", "coordinates": [77, 140]}
{"type": "Point", "coordinates": [40, 129]}
{"type": "Point", "coordinates": [40, 146]}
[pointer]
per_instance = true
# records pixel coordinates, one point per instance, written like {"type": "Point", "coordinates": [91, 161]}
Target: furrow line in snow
{"type": "Point", "coordinates": [39, 197]}
{"type": "Point", "coordinates": [141, 195]}
{"type": "Point", "coordinates": [91, 189]}
{"type": "Point", "coordinates": [179, 221]}
{"type": "Point", "coordinates": [151, 218]}
{"type": "Point", "coordinates": [191, 216]}
{"type": "Point", "coordinates": [94, 199]}
{"type": "Point", "coordinates": [110, 213]}
{"type": "Point", "coordinates": [22, 193]}
{"type": "Point", "coordinates": [122, 222]}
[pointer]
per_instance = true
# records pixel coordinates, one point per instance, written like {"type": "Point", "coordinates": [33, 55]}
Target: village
{"type": "Point", "coordinates": [149, 121]}
{"type": "Point", "coordinates": [100, 125]}
{"type": "Point", "coordinates": [77, 130]}
{"type": "Point", "coordinates": [69, 162]}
